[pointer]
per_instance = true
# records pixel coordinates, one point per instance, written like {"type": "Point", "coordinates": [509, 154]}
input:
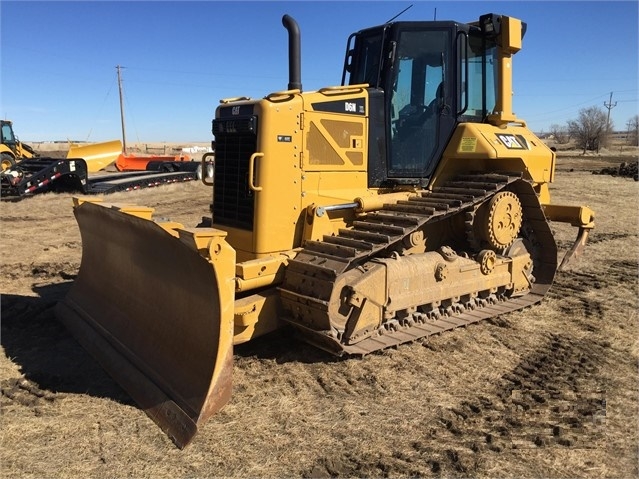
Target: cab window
{"type": "Point", "coordinates": [416, 100]}
{"type": "Point", "coordinates": [481, 81]}
{"type": "Point", "coordinates": [7, 134]}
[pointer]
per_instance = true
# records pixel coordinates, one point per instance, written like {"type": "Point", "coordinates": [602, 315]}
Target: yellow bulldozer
{"type": "Point", "coordinates": [404, 202]}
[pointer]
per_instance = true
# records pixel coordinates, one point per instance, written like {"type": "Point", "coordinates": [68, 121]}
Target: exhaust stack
{"type": "Point", "coordinates": [294, 55]}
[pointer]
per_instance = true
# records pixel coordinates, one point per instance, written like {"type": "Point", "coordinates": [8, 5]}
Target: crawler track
{"type": "Point", "coordinates": [311, 276]}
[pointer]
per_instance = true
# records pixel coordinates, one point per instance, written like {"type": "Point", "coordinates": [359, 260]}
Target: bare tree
{"type": "Point", "coordinates": [591, 129]}
{"type": "Point", "coordinates": [560, 134]}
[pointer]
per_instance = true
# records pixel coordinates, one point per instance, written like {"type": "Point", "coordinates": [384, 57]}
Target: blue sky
{"type": "Point", "coordinates": [59, 79]}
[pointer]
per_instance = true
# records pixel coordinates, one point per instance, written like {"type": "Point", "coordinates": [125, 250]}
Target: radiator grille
{"type": "Point", "coordinates": [235, 142]}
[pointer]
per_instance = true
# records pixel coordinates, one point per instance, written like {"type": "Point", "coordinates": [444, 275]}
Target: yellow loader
{"type": "Point", "coordinates": [96, 155]}
{"type": "Point", "coordinates": [404, 202]}
{"type": "Point", "coordinates": [12, 150]}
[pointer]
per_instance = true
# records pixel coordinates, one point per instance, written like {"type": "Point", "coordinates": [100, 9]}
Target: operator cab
{"type": "Point", "coordinates": [424, 78]}
{"type": "Point", "coordinates": [7, 136]}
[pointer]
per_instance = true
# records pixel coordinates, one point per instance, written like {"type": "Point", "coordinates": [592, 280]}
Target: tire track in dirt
{"type": "Point", "coordinates": [18, 219]}
{"type": "Point", "coordinates": [548, 400]}
{"type": "Point", "coordinates": [40, 271]}
{"type": "Point", "coordinates": [597, 237]}
{"type": "Point", "coordinates": [22, 392]}
{"type": "Point", "coordinates": [572, 290]}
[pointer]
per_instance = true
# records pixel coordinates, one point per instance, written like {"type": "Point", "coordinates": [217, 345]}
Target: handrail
{"type": "Point", "coordinates": [204, 167]}
{"type": "Point", "coordinates": [234, 99]}
{"type": "Point", "coordinates": [254, 157]}
{"type": "Point", "coordinates": [343, 88]}
{"type": "Point", "coordinates": [282, 95]}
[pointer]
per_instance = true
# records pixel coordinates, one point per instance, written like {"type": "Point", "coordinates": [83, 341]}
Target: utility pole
{"type": "Point", "coordinates": [118, 68]}
{"type": "Point", "coordinates": [610, 106]}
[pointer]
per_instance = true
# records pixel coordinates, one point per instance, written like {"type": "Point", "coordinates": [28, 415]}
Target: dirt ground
{"type": "Point", "coordinates": [550, 391]}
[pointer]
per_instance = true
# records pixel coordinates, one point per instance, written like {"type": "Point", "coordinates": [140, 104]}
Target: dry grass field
{"type": "Point", "coordinates": [550, 391]}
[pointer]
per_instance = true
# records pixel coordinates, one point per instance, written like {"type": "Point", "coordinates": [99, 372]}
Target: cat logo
{"type": "Point", "coordinates": [348, 106]}
{"type": "Point", "coordinates": [511, 142]}
{"type": "Point", "coordinates": [235, 110]}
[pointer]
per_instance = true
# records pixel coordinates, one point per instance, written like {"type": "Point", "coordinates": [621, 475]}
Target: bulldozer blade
{"type": "Point", "coordinates": [156, 314]}
{"type": "Point", "coordinates": [97, 155]}
{"type": "Point", "coordinates": [577, 248]}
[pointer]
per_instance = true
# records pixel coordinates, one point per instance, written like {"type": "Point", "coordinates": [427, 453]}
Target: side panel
{"type": "Point", "coordinates": [335, 146]}
{"type": "Point", "coordinates": [484, 147]}
{"type": "Point", "coordinates": [276, 181]}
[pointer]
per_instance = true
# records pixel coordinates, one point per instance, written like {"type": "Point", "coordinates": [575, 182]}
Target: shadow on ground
{"type": "Point", "coordinates": [46, 353]}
